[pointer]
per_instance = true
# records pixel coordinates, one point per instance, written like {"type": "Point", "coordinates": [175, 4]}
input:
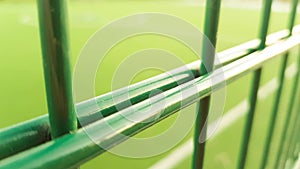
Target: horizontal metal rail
{"type": "Point", "coordinates": [36, 131]}
{"type": "Point", "coordinates": [76, 148]}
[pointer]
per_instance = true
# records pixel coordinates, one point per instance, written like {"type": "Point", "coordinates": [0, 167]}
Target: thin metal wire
{"type": "Point", "coordinates": [254, 89]}
{"type": "Point", "coordinates": [211, 22]}
{"type": "Point", "coordinates": [274, 113]}
{"type": "Point", "coordinates": [293, 152]}
{"type": "Point", "coordinates": [276, 104]}
{"type": "Point", "coordinates": [284, 144]}
{"type": "Point", "coordinates": [282, 141]}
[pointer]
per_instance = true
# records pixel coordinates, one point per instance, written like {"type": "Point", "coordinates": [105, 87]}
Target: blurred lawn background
{"type": "Point", "coordinates": [22, 86]}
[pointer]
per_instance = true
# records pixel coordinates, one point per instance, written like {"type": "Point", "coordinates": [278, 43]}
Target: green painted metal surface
{"type": "Point", "coordinates": [211, 21]}
{"type": "Point", "coordinates": [255, 85]}
{"type": "Point", "coordinates": [275, 109]}
{"type": "Point", "coordinates": [38, 129]}
{"type": "Point", "coordinates": [264, 24]}
{"type": "Point", "coordinates": [293, 143]}
{"type": "Point", "coordinates": [285, 138]}
{"type": "Point", "coordinates": [277, 100]}
{"type": "Point", "coordinates": [54, 40]}
{"type": "Point", "coordinates": [293, 13]}
{"type": "Point", "coordinates": [71, 146]}
{"type": "Point", "coordinates": [249, 121]}
{"type": "Point", "coordinates": [76, 148]}
{"type": "Point", "coordinates": [23, 136]}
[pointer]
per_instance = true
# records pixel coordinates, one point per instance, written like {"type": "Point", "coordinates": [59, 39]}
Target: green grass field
{"type": "Point", "coordinates": [22, 86]}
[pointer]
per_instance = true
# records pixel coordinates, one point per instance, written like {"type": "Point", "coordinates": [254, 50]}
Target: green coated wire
{"type": "Point", "coordinates": [212, 13]}
{"type": "Point", "coordinates": [55, 49]}
{"type": "Point", "coordinates": [276, 104]}
{"type": "Point", "coordinates": [255, 86]}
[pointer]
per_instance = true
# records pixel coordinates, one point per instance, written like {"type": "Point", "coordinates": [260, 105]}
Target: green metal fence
{"type": "Point", "coordinates": [56, 140]}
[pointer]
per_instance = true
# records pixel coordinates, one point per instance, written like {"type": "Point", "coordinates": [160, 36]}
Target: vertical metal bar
{"type": "Point", "coordinates": [293, 139]}
{"type": "Point", "coordinates": [279, 92]}
{"type": "Point", "coordinates": [267, 6]}
{"type": "Point", "coordinates": [294, 88]}
{"type": "Point", "coordinates": [255, 86]}
{"type": "Point", "coordinates": [212, 13]}
{"type": "Point", "coordinates": [292, 101]}
{"type": "Point", "coordinates": [292, 16]}
{"type": "Point", "coordinates": [274, 113]}
{"type": "Point", "coordinates": [56, 64]}
{"type": "Point", "coordinates": [249, 120]}
{"type": "Point", "coordinates": [294, 136]}
{"type": "Point", "coordinates": [286, 134]}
